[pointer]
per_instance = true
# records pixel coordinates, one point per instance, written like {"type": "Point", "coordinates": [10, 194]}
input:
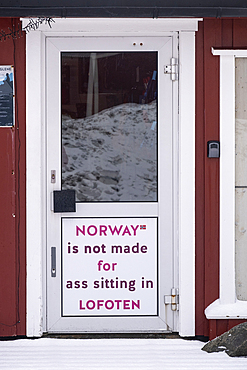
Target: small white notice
{"type": "Point", "coordinates": [6, 96]}
{"type": "Point", "coordinates": [109, 267]}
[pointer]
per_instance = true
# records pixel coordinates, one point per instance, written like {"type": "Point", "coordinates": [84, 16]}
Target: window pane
{"type": "Point", "coordinates": [241, 178]}
{"type": "Point", "coordinates": [109, 126]}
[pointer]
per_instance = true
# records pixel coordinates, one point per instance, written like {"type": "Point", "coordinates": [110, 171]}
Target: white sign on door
{"type": "Point", "coordinates": [109, 267]}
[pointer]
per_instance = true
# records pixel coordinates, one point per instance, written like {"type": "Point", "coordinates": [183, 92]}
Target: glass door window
{"type": "Point", "coordinates": [109, 126]}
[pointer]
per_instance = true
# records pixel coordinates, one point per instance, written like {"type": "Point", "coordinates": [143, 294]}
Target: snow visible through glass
{"type": "Point", "coordinates": [109, 126]}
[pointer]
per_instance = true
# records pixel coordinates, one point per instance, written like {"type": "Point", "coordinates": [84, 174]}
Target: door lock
{"type": "Point", "coordinates": [53, 176]}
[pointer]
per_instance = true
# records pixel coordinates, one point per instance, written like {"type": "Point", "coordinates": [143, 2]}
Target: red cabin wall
{"type": "Point", "coordinates": [12, 195]}
{"type": "Point", "coordinates": [229, 33]}
{"type": "Point", "coordinates": [225, 33]}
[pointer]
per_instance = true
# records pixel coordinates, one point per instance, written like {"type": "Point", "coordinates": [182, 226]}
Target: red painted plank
{"type": "Point", "coordinates": [212, 329]}
{"type": "Point", "coordinates": [200, 182]}
{"type": "Point", "coordinates": [239, 33]}
{"type": "Point", "coordinates": [12, 197]}
{"type": "Point", "coordinates": [232, 323]}
{"type": "Point", "coordinates": [212, 37]}
{"type": "Point", "coordinates": [20, 71]}
{"type": "Point", "coordinates": [226, 33]}
{"type": "Point", "coordinates": [7, 222]}
{"type": "Point", "coordinates": [222, 327]}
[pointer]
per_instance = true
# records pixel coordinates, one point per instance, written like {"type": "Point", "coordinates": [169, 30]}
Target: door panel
{"type": "Point", "coordinates": [109, 135]}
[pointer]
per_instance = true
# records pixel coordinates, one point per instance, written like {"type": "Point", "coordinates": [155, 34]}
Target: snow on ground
{"type": "Point", "coordinates": [111, 156]}
{"type": "Point", "coordinates": [119, 354]}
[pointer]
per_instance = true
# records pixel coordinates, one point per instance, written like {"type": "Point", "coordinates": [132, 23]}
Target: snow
{"type": "Point", "coordinates": [219, 310]}
{"type": "Point", "coordinates": [119, 354]}
{"type": "Point", "coordinates": [111, 156]}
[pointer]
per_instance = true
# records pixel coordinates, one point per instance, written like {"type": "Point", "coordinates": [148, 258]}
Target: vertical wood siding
{"type": "Point", "coordinates": [225, 33]}
{"type": "Point", "coordinates": [12, 196]}
{"type": "Point", "coordinates": [212, 32]}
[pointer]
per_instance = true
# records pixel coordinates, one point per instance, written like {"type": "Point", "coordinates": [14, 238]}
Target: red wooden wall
{"type": "Point", "coordinates": [229, 33]}
{"type": "Point", "coordinates": [226, 33]}
{"type": "Point", "coordinates": [12, 195]}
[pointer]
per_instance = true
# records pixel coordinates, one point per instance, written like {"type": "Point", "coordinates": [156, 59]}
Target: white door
{"type": "Point", "coordinates": [110, 254]}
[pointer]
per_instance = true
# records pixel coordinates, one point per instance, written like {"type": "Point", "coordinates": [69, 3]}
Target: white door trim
{"type": "Point", "coordinates": [36, 160]}
{"type": "Point", "coordinates": [187, 184]}
{"type": "Point", "coordinates": [227, 306]}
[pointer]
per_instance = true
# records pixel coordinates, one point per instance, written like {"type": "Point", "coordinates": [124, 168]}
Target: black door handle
{"type": "Point", "coordinates": [64, 201]}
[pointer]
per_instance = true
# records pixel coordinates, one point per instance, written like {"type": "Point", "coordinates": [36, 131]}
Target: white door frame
{"type": "Point", "coordinates": [227, 306]}
{"type": "Point", "coordinates": [184, 135]}
{"type": "Point", "coordinates": [165, 319]}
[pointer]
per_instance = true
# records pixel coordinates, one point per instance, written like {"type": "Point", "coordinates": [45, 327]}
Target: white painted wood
{"type": "Point", "coordinates": [227, 306]}
{"type": "Point", "coordinates": [227, 180]}
{"type": "Point", "coordinates": [217, 310]}
{"type": "Point", "coordinates": [118, 27]}
{"type": "Point", "coordinates": [35, 184]}
{"type": "Point", "coordinates": [229, 52]}
{"type": "Point", "coordinates": [165, 177]}
{"type": "Point", "coordinates": [128, 43]}
{"type": "Point", "coordinates": [175, 166]}
{"type": "Point", "coordinates": [187, 184]}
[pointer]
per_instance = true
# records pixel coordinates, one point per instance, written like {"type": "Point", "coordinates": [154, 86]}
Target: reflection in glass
{"type": "Point", "coordinates": [109, 126]}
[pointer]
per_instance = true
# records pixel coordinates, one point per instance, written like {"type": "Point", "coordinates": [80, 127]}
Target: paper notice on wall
{"type": "Point", "coordinates": [6, 96]}
{"type": "Point", "coordinates": [109, 267]}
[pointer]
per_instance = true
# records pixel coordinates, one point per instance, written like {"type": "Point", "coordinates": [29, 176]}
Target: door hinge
{"type": "Point", "coordinates": [172, 299]}
{"type": "Point", "coordinates": [172, 69]}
